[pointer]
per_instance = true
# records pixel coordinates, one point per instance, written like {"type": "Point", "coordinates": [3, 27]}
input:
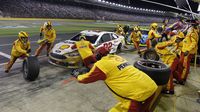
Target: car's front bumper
{"type": "Point", "coordinates": [65, 61]}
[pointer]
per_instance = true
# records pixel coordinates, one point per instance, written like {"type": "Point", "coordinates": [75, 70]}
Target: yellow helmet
{"type": "Point", "coordinates": [136, 28]}
{"type": "Point", "coordinates": [23, 36]}
{"type": "Point", "coordinates": [82, 36]}
{"type": "Point", "coordinates": [48, 24]}
{"type": "Point", "coordinates": [119, 25]}
{"type": "Point", "coordinates": [181, 34]}
{"type": "Point", "coordinates": [154, 25]}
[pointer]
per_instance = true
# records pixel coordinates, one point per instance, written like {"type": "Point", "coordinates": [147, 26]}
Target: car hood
{"type": "Point", "coordinates": [62, 48]}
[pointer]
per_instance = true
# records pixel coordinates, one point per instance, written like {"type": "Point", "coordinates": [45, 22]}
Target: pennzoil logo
{"type": "Point", "coordinates": [64, 47]}
{"type": "Point", "coordinates": [123, 65]}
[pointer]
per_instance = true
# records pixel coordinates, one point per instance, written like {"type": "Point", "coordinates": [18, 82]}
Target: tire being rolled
{"type": "Point", "coordinates": [158, 71]}
{"type": "Point", "coordinates": [31, 68]}
{"type": "Point", "coordinates": [151, 54]}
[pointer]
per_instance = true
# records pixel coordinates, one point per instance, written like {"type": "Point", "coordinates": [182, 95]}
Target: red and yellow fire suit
{"type": "Point", "coordinates": [122, 79]}
{"type": "Point", "coordinates": [85, 50]}
{"type": "Point", "coordinates": [19, 49]}
{"type": "Point", "coordinates": [135, 37]}
{"type": "Point", "coordinates": [151, 36]}
{"type": "Point", "coordinates": [168, 52]}
{"type": "Point", "coordinates": [190, 46]}
{"type": "Point", "coordinates": [49, 36]}
{"type": "Point", "coordinates": [120, 31]}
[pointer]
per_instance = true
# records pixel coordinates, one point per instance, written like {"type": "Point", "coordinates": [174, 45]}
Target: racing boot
{"type": "Point", "coordinates": [8, 66]}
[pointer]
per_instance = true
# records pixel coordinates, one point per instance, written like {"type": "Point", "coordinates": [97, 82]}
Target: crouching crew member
{"type": "Point", "coordinates": [49, 38]}
{"type": "Point", "coordinates": [133, 88]}
{"type": "Point", "coordinates": [169, 52]}
{"type": "Point", "coordinates": [85, 49]}
{"type": "Point", "coordinates": [21, 47]}
{"type": "Point", "coordinates": [152, 35]}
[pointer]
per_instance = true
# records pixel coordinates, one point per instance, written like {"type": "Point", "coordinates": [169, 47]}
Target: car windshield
{"type": "Point", "coordinates": [91, 38]}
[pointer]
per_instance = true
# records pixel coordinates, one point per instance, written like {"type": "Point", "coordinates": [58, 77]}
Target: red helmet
{"type": "Point", "coordinates": [101, 51]}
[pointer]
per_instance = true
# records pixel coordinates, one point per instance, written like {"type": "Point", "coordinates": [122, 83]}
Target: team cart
{"type": "Point", "coordinates": [63, 55]}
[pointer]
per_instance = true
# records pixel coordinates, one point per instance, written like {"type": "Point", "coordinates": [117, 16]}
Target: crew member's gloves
{"type": "Point", "coordinates": [28, 51]}
{"type": "Point", "coordinates": [27, 54]}
{"type": "Point", "coordinates": [177, 55]}
{"type": "Point", "coordinates": [75, 73]}
{"type": "Point", "coordinates": [186, 53]}
{"type": "Point", "coordinates": [40, 35]}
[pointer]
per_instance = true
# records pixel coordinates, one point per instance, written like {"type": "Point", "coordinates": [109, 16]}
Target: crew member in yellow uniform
{"type": "Point", "coordinates": [189, 49]}
{"type": "Point", "coordinates": [132, 87]}
{"type": "Point", "coordinates": [21, 47]}
{"type": "Point", "coordinates": [169, 52]}
{"type": "Point", "coordinates": [152, 35]}
{"type": "Point", "coordinates": [136, 35]}
{"type": "Point", "coordinates": [85, 49]}
{"type": "Point", "coordinates": [49, 38]}
{"type": "Point", "coordinates": [119, 30]}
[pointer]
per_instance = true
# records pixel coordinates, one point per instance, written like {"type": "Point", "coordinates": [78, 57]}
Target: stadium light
{"type": "Point", "coordinates": [99, 0]}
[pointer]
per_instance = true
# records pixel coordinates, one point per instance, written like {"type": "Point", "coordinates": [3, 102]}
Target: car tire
{"type": "Point", "coordinates": [119, 48]}
{"type": "Point", "coordinates": [158, 71]}
{"type": "Point", "coordinates": [151, 54]}
{"type": "Point", "coordinates": [31, 68]}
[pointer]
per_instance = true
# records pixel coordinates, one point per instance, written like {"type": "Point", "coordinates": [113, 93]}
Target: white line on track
{"type": "Point", "coordinates": [5, 55]}
{"type": "Point", "coordinates": [20, 60]}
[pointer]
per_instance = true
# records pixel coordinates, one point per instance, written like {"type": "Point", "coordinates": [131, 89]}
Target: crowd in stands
{"type": "Point", "coordinates": [38, 9]}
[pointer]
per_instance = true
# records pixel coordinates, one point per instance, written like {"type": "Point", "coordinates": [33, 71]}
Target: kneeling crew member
{"type": "Point", "coordinates": [85, 49]}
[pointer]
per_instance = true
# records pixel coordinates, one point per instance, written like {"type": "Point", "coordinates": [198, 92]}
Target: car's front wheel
{"type": "Point", "coordinates": [119, 48]}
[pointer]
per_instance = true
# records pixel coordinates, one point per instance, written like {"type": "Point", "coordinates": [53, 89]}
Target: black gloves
{"type": "Point", "coordinates": [75, 73]}
{"type": "Point", "coordinates": [28, 51]}
{"type": "Point", "coordinates": [186, 53]}
{"type": "Point", "coordinates": [40, 35]}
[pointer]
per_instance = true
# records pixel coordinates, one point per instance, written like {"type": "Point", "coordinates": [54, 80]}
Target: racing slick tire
{"type": "Point", "coordinates": [158, 71]}
{"type": "Point", "coordinates": [31, 68]}
{"type": "Point", "coordinates": [151, 54]}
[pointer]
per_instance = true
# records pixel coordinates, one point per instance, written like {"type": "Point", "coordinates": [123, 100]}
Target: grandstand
{"type": "Point", "coordinates": [78, 9]}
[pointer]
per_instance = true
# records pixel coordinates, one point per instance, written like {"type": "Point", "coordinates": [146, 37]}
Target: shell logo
{"type": "Point", "coordinates": [64, 47]}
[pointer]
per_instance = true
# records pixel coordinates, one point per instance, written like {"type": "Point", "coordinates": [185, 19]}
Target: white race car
{"type": "Point", "coordinates": [63, 55]}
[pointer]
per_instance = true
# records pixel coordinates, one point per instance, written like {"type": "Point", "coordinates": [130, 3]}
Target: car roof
{"type": "Point", "coordinates": [93, 32]}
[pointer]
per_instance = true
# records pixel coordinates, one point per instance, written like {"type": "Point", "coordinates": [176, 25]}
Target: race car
{"type": "Point", "coordinates": [63, 55]}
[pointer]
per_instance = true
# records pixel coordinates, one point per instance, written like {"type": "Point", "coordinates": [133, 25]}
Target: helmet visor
{"type": "Point", "coordinates": [24, 39]}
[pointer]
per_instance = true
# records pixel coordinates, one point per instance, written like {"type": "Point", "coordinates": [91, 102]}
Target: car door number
{"type": "Point", "coordinates": [108, 45]}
